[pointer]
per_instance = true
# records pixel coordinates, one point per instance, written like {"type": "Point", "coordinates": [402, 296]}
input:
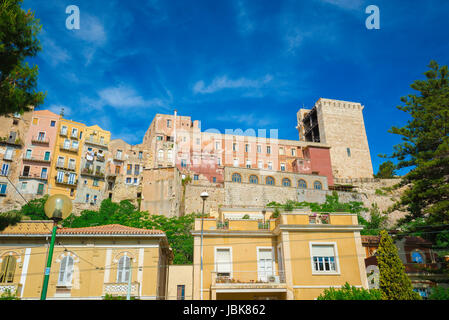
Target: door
{"type": "Point", "coordinates": [71, 178]}
{"type": "Point", "coordinates": [26, 171]}
{"type": "Point", "coordinates": [265, 264]}
{"type": "Point", "coordinates": [47, 156]}
{"type": "Point", "coordinates": [44, 173]}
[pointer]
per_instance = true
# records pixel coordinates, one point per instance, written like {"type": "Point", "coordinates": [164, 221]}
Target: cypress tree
{"type": "Point", "coordinates": [394, 282]}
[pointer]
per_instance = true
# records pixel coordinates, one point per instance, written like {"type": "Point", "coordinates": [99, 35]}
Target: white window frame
{"type": "Point", "coordinates": [65, 281]}
{"type": "Point", "coordinates": [282, 166]}
{"type": "Point", "coordinates": [259, 148]}
{"type": "Point", "coordinates": [231, 273]}
{"type": "Point", "coordinates": [260, 164]}
{"type": "Point", "coordinates": [124, 271]}
{"type": "Point", "coordinates": [273, 258]}
{"type": "Point", "coordinates": [337, 263]}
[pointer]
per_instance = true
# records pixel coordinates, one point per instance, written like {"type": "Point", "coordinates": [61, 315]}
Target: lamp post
{"type": "Point", "coordinates": [57, 208]}
{"type": "Point", "coordinates": [204, 195]}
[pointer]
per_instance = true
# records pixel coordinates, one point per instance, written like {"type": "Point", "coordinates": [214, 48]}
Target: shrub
{"type": "Point", "coordinates": [439, 293]}
{"type": "Point", "coordinates": [348, 292]}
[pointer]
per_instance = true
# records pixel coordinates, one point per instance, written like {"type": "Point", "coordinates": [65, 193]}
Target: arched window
{"type": "Point", "coordinates": [8, 269]}
{"type": "Point", "coordinates": [302, 184]}
{"type": "Point", "coordinates": [123, 269]}
{"type": "Point", "coordinates": [269, 180]}
{"type": "Point", "coordinates": [253, 179]}
{"type": "Point", "coordinates": [317, 185]}
{"type": "Point", "coordinates": [65, 271]}
{"type": "Point", "coordinates": [417, 257]}
{"type": "Point", "coordinates": [286, 182]}
{"type": "Point", "coordinates": [161, 154]}
{"type": "Point", "coordinates": [236, 177]}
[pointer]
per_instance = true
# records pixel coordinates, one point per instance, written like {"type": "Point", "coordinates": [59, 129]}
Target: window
{"type": "Point", "coordinates": [136, 181]}
{"type": "Point", "coordinates": [196, 177]}
{"type": "Point", "coordinates": [183, 163]}
{"type": "Point", "coordinates": [63, 130]}
{"type": "Point", "coordinates": [87, 198]}
{"type": "Point", "coordinates": [317, 185]}
{"type": "Point", "coordinates": [2, 188]}
{"type": "Point", "coordinates": [260, 164]}
{"type": "Point", "coordinates": [268, 149]}
{"type": "Point", "coordinates": [40, 189]}
{"type": "Point", "coordinates": [124, 264]}
{"type": "Point", "coordinates": [47, 156]}
{"type": "Point", "coordinates": [28, 154]}
{"type": "Point", "coordinates": [348, 151]}
{"type": "Point", "coordinates": [169, 155]}
{"type": "Point", "coordinates": [302, 184]}
{"type": "Point", "coordinates": [270, 165]}
{"type": "Point", "coordinates": [160, 155]}
{"type": "Point", "coordinates": [66, 144]}
{"type": "Point", "coordinates": [128, 180]}
{"type": "Point", "coordinates": [5, 169]}
{"type": "Point", "coordinates": [417, 257]}
{"type": "Point", "coordinates": [293, 152]}
{"type": "Point", "coordinates": [286, 182]}
{"type": "Point", "coordinates": [8, 269]}
{"type": "Point", "coordinates": [118, 154]}
{"type": "Point", "coordinates": [136, 169]}
{"type": "Point", "coordinates": [129, 169]}
{"type": "Point", "coordinates": [168, 123]}
{"type": "Point", "coordinates": [219, 161]}
{"type": "Point", "coordinates": [75, 145]}
{"type": "Point", "coordinates": [214, 180]}
{"type": "Point", "coordinates": [72, 164]}
{"type": "Point", "coordinates": [66, 271]}
{"type": "Point", "coordinates": [282, 166]}
{"type": "Point", "coordinates": [95, 183]}
{"type": "Point", "coordinates": [71, 179]}
{"type": "Point", "coordinates": [52, 123]}
{"type": "Point", "coordinates": [9, 153]}
{"type": "Point", "coordinates": [236, 162]}
{"type": "Point", "coordinates": [159, 138]}
{"type": "Point", "coordinates": [269, 180]}
{"type": "Point", "coordinates": [140, 155]}
{"type": "Point", "coordinates": [81, 135]}
{"type": "Point", "coordinates": [323, 258]}
{"type": "Point", "coordinates": [217, 145]}
{"type": "Point", "coordinates": [248, 163]}
{"type": "Point", "coordinates": [74, 133]}
{"type": "Point", "coordinates": [265, 263]}
{"type": "Point", "coordinates": [281, 151]}
{"type": "Point", "coordinates": [95, 199]}
{"type": "Point", "coordinates": [181, 292]}
{"type": "Point", "coordinates": [234, 146]}
{"type": "Point", "coordinates": [60, 176]}
{"type": "Point", "coordinates": [35, 121]}
{"type": "Point", "coordinates": [247, 148]}
{"type": "Point", "coordinates": [253, 179]}
{"type": "Point", "coordinates": [24, 185]}
{"type": "Point", "coordinates": [236, 177]}
{"type": "Point", "coordinates": [259, 148]}
{"type": "Point", "coordinates": [223, 262]}
{"type": "Point", "coordinates": [198, 141]}
{"type": "Point", "coordinates": [41, 136]}
{"type": "Point", "coordinates": [26, 171]}
{"type": "Point", "coordinates": [60, 162]}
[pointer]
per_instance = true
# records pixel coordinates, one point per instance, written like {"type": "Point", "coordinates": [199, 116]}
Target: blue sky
{"type": "Point", "coordinates": [247, 64]}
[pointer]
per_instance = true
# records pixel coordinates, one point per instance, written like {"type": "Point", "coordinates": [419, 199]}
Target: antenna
{"type": "Point", "coordinates": [62, 112]}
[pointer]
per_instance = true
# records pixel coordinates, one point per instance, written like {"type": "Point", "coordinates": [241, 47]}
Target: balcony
{"type": "Point", "coordinates": [34, 176]}
{"type": "Point", "coordinates": [69, 167]}
{"type": "Point", "coordinates": [14, 288]}
{"type": "Point", "coordinates": [119, 158]}
{"type": "Point", "coordinates": [8, 157]}
{"type": "Point", "coordinates": [63, 133]}
{"type": "Point", "coordinates": [91, 173]}
{"type": "Point", "coordinates": [35, 159]}
{"type": "Point", "coordinates": [121, 289]}
{"type": "Point", "coordinates": [316, 218]}
{"type": "Point", "coordinates": [66, 181]}
{"type": "Point", "coordinates": [251, 283]}
{"type": "Point", "coordinates": [11, 142]}
{"type": "Point", "coordinates": [236, 225]}
{"type": "Point", "coordinates": [40, 140]}
{"type": "Point", "coordinates": [96, 142]}
{"type": "Point", "coordinates": [69, 148]}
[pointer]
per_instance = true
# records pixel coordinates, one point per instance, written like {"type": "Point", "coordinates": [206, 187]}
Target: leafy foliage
{"type": "Point", "coordinates": [439, 293]}
{"type": "Point", "coordinates": [18, 41]}
{"type": "Point", "coordinates": [9, 295]}
{"type": "Point", "coordinates": [386, 170]}
{"type": "Point", "coordinates": [9, 218]}
{"type": "Point", "coordinates": [425, 148]}
{"type": "Point", "coordinates": [347, 292]}
{"type": "Point", "coordinates": [393, 281]}
{"type": "Point", "coordinates": [177, 229]}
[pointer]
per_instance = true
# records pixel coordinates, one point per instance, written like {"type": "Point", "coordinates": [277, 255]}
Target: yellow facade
{"type": "Point", "coordinates": [295, 256]}
{"type": "Point", "coordinates": [65, 165]}
{"type": "Point", "coordinates": [95, 261]}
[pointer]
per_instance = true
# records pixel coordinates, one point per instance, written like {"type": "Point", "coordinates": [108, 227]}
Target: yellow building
{"type": "Point", "coordinates": [65, 165]}
{"type": "Point", "coordinates": [88, 263]}
{"type": "Point", "coordinates": [295, 256]}
{"type": "Point", "coordinates": [91, 184]}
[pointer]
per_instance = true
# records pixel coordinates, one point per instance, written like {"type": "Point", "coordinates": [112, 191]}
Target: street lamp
{"type": "Point", "coordinates": [57, 208]}
{"type": "Point", "coordinates": [204, 195]}
{"type": "Point", "coordinates": [264, 212]}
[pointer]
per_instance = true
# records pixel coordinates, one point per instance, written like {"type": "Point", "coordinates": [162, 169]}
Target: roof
{"type": "Point", "coordinates": [45, 227]}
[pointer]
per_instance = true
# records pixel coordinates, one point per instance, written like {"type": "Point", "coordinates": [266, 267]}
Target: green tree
{"type": "Point", "coordinates": [425, 148]}
{"type": "Point", "coordinates": [439, 293]}
{"type": "Point", "coordinates": [18, 41]}
{"type": "Point", "coordinates": [393, 281]}
{"type": "Point", "coordinates": [348, 292]}
{"type": "Point", "coordinates": [9, 218]}
{"type": "Point", "coordinates": [386, 170]}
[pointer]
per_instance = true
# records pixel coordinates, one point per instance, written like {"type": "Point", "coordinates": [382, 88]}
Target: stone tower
{"type": "Point", "coordinates": [340, 125]}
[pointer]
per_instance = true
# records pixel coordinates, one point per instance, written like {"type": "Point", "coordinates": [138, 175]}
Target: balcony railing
{"type": "Point", "coordinates": [66, 181]}
{"type": "Point", "coordinates": [68, 148]}
{"type": "Point", "coordinates": [69, 167]}
{"type": "Point", "coordinates": [89, 172]}
{"type": "Point", "coordinates": [13, 288]}
{"type": "Point", "coordinates": [33, 176]}
{"type": "Point", "coordinates": [121, 289]}
{"type": "Point", "coordinates": [35, 159]}
{"type": "Point", "coordinates": [63, 133]}
{"type": "Point", "coordinates": [40, 140]}
{"type": "Point", "coordinates": [249, 278]}
{"type": "Point", "coordinates": [118, 158]}
{"type": "Point", "coordinates": [223, 225]}
{"type": "Point", "coordinates": [8, 157]}
{"type": "Point", "coordinates": [97, 142]}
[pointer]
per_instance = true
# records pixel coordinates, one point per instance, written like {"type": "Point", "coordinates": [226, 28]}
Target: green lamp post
{"type": "Point", "coordinates": [57, 208]}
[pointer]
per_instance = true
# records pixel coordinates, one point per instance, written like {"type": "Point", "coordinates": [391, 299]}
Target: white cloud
{"type": "Point", "coordinates": [346, 4]}
{"type": "Point", "coordinates": [245, 24]}
{"type": "Point", "coordinates": [91, 30]}
{"type": "Point", "coordinates": [122, 97]}
{"type": "Point", "coordinates": [223, 82]}
{"type": "Point", "coordinates": [52, 53]}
